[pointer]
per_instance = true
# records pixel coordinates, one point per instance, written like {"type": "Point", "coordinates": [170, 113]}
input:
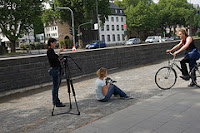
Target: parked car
{"type": "Point", "coordinates": [95, 44]}
{"type": "Point", "coordinates": [151, 39]}
{"type": "Point", "coordinates": [177, 38]}
{"type": "Point", "coordinates": [165, 39]}
{"type": "Point", "coordinates": [133, 41]}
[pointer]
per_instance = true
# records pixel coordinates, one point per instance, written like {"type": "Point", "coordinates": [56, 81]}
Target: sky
{"type": "Point", "coordinates": [192, 1]}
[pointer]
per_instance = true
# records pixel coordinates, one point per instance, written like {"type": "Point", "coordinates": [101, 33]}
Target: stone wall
{"type": "Point", "coordinates": [25, 71]}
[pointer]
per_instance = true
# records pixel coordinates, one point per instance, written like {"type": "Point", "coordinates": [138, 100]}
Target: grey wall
{"type": "Point", "coordinates": [24, 71]}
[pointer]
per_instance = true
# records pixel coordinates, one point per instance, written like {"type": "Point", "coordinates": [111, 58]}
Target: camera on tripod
{"type": "Point", "coordinates": [109, 80]}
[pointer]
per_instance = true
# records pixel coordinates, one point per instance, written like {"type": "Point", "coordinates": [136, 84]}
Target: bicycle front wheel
{"type": "Point", "coordinates": [165, 78]}
{"type": "Point", "coordinates": [195, 75]}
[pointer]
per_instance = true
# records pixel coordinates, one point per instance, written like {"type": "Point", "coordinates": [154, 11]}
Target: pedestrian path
{"type": "Point", "coordinates": [172, 111]}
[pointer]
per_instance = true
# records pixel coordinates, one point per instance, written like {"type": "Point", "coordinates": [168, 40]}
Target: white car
{"type": "Point", "coordinates": [151, 39]}
{"type": "Point", "coordinates": [133, 41]}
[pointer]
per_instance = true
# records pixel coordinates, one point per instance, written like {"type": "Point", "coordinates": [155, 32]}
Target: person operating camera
{"type": "Point", "coordinates": [105, 91]}
{"type": "Point", "coordinates": [54, 71]}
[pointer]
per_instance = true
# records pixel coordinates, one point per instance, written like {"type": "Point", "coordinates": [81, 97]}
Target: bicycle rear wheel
{"type": "Point", "coordinates": [165, 78]}
{"type": "Point", "coordinates": [195, 75]}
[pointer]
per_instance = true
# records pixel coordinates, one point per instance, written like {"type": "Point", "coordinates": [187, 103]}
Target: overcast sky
{"type": "Point", "coordinates": [192, 1]}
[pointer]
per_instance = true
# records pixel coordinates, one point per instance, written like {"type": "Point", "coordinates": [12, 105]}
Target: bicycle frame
{"type": "Point", "coordinates": [173, 62]}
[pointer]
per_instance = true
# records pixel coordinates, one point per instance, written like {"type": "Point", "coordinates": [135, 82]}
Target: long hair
{"type": "Point", "coordinates": [101, 72]}
{"type": "Point", "coordinates": [51, 40]}
{"type": "Point", "coordinates": [183, 31]}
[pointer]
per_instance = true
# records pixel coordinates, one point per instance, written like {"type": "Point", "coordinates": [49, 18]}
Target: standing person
{"type": "Point", "coordinates": [191, 53]}
{"type": "Point", "coordinates": [105, 91]}
{"type": "Point", "coordinates": [55, 70]}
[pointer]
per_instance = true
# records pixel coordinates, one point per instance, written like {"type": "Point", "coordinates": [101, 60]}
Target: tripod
{"type": "Point", "coordinates": [70, 86]}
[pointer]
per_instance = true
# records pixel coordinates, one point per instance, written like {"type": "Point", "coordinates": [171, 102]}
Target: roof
{"type": "Point", "coordinates": [114, 6]}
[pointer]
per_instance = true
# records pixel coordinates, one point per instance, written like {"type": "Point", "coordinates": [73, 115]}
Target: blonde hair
{"type": "Point", "coordinates": [101, 72]}
{"type": "Point", "coordinates": [183, 31]}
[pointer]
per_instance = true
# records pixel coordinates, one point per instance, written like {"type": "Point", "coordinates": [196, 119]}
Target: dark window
{"type": "Point", "coordinates": [122, 27]}
{"type": "Point", "coordinates": [118, 37]}
{"type": "Point", "coordinates": [108, 38]}
{"type": "Point", "coordinates": [117, 27]}
{"type": "Point", "coordinates": [112, 19]}
{"type": "Point", "coordinates": [103, 37]}
{"type": "Point", "coordinates": [107, 27]}
{"type": "Point", "coordinates": [113, 37]}
{"type": "Point", "coordinates": [113, 27]}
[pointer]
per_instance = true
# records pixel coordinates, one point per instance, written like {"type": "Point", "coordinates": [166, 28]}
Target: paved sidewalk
{"type": "Point", "coordinates": [173, 111]}
{"type": "Point", "coordinates": [31, 112]}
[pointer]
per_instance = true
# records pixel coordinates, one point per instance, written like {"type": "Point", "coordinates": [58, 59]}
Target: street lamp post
{"type": "Point", "coordinates": [98, 22]}
{"type": "Point", "coordinates": [72, 14]}
{"type": "Point", "coordinates": [79, 31]}
{"type": "Point", "coordinates": [190, 19]}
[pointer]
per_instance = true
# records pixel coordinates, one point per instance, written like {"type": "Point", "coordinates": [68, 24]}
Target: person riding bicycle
{"type": "Point", "coordinates": [191, 53]}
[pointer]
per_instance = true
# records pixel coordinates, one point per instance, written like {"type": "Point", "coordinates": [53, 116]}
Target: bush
{"type": "Point", "coordinates": [198, 33]}
{"type": "Point", "coordinates": [62, 43]}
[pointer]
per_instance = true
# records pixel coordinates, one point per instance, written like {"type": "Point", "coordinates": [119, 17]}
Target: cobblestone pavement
{"type": "Point", "coordinates": [31, 112]}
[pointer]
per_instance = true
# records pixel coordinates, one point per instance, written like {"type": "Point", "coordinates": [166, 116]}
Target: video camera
{"type": "Point", "coordinates": [109, 80]}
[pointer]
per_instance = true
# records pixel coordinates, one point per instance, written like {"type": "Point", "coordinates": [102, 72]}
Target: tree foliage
{"type": "Point", "coordinates": [145, 15]}
{"type": "Point", "coordinates": [17, 16]}
{"type": "Point", "coordinates": [84, 11]}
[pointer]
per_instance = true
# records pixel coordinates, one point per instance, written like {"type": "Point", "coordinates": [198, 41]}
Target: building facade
{"type": "Point", "coordinates": [57, 30]}
{"type": "Point", "coordinates": [112, 32]}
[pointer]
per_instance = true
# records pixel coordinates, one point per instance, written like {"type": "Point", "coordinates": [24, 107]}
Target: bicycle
{"type": "Point", "coordinates": [166, 76]}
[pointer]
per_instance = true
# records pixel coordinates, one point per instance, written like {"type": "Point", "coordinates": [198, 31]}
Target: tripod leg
{"type": "Point", "coordinates": [70, 103]}
{"type": "Point", "coordinates": [68, 85]}
{"type": "Point", "coordinates": [74, 94]}
{"type": "Point", "coordinates": [52, 110]}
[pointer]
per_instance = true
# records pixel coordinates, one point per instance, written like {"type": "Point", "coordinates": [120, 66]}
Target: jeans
{"type": "Point", "coordinates": [56, 78]}
{"type": "Point", "coordinates": [113, 90]}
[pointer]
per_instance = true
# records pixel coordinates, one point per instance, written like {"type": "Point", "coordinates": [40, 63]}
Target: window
{"type": "Point", "coordinates": [113, 27]}
{"type": "Point", "coordinates": [117, 27]}
{"type": "Point", "coordinates": [121, 11]}
{"type": "Point", "coordinates": [118, 37]}
{"type": "Point", "coordinates": [103, 37]}
{"type": "Point", "coordinates": [108, 38]}
{"type": "Point", "coordinates": [107, 27]}
{"type": "Point", "coordinates": [113, 38]}
{"type": "Point", "coordinates": [122, 27]}
{"type": "Point", "coordinates": [102, 28]}
{"type": "Point", "coordinates": [117, 19]}
{"type": "Point", "coordinates": [115, 10]}
{"type": "Point", "coordinates": [122, 19]}
{"type": "Point", "coordinates": [123, 37]}
{"type": "Point", "coordinates": [112, 19]}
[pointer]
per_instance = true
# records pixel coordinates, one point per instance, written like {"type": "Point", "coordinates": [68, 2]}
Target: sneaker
{"type": "Point", "coordinates": [192, 84]}
{"type": "Point", "coordinates": [185, 77]}
{"type": "Point", "coordinates": [60, 105]}
{"type": "Point", "coordinates": [128, 97]}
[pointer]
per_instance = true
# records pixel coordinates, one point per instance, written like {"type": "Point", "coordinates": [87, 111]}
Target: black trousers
{"type": "Point", "coordinates": [184, 67]}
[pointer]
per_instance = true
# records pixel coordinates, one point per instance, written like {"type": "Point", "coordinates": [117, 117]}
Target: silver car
{"type": "Point", "coordinates": [133, 41]}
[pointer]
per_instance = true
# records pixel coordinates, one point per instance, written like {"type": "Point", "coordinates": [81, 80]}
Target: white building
{"type": "Point", "coordinates": [113, 29]}
{"type": "Point", "coordinates": [27, 37]}
{"type": "Point", "coordinates": [51, 31]}
{"type": "Point", "coordinates": [40, 38]}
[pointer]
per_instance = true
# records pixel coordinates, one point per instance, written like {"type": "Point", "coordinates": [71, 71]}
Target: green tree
{"type": "Point", "coordinates": [173, 12]}
{"type": "Point", "coordinates": [140, 17]}
{"type": "Point", "coordinates": [84, 11]}
{"type": "Point", "coordinates": [17, 17]}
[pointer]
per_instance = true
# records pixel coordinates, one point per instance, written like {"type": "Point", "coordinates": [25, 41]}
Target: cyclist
{"type": "Point", "coordinates": [191, 53]}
